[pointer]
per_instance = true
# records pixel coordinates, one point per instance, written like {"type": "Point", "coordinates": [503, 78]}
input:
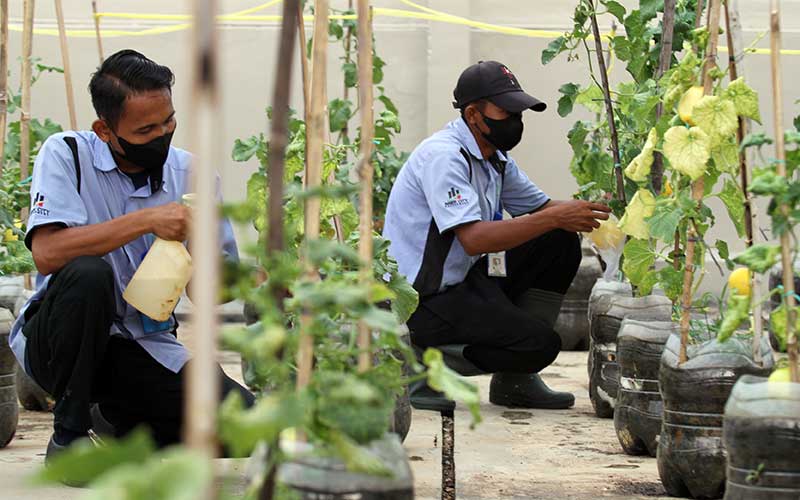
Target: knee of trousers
{"type": "Point", "coordinates": [568, 246]}
{"type": "Point", "coordinates": [90, 276]}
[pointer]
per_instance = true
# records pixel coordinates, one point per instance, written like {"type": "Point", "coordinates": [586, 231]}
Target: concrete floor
{"type": "Point", "coordinates": [541, 454]}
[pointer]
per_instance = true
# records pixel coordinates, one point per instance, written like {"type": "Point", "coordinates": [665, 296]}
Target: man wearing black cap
{"type": "Point", "coordinates": [490, 287]}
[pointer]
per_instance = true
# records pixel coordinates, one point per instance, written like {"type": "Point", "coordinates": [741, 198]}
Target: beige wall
{"type": "Point", "coordinates": [423, 61]}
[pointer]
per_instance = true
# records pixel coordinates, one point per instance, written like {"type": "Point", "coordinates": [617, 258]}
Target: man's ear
{"type": "Point", "coordinates": [102, 130]}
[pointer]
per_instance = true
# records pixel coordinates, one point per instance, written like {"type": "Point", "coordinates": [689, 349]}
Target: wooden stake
{"type": "Point", "coordinates": [612, 126]}
{"type": "Point", "coordinates": [365, 167]}
{"type": "Point", "coordinates": [202, 383]}
{"type": "Point", "coordinates": [3, 80]}
{"type": "Point", "coordinates": [315, 127]}
{"type": "Point", "coordinates": [279, 133]}
{"type": "Point", "coordinates": [733, 31]}
{"type": "Point", "coordinates": [664, 61]}
{"type": "Point", "coordinates": [780, 155]}
{"type": "Point", "coordinates": [97, 32]}
{"type": "Point", "coordinates": [698, 186]}
{"type": "Point", "coordinates": [62, 36]}
{"type": "Point", "coordinates": [301, 36]}
{"type": "Point", "coordinates": [25, 109]}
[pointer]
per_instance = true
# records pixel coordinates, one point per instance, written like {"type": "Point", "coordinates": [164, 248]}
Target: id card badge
{"type": "Point", "coordinates": [149, 325]}
{"type": "Point", "coordinates": [497, 264]}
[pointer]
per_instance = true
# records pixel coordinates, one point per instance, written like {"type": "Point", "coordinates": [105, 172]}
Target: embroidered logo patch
{"type": "Point", "coordinates": [454, 198]}
{"type": "Point", "coordinates": [38, 205]}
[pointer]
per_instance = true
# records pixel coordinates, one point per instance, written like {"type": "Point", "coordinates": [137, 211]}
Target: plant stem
{"type": "Point", "coordinates": [609, 110]}
{"type": "Point", "coordinates": [62, 36]}
{"type": "Point", "coordinates": [698, 186]}
{"type": "Point", "coordinates": [780, 155]}
{"type": "Point", "coordinates": [664, 60]}
{"type": "Point", "coordinates": [365, 167]}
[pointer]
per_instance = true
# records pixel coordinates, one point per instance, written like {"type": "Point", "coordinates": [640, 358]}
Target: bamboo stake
{"type": "Point", "coordinates": [3, 80]}
{"type": "Point", "coordinates": [301, 35]}
{"type": "Point", "coordinates": [202, 383]}
{"type": "Point", "coordinates": [62, 36]}
{"type": "Point", "coordinates": [698, 186]}
{"type": "Point", "coordinates": [609, 109]}
{"type": "Point", "coordinates": [347, 51]}
{"type": "Point", "coordinates": [664, 60]}
{"type": "Point", "coordinates": [315, 128]}
{"type": "Point", "coordinates": [279, 134]}
{"type": "Point", "coordinates": [780, 155]}
{"type": "Point", "coordinates": [97, 32]}
{"type": "Point", "coordinates": [733, 31]}
{"type": "Point", "coordinates": [25, 109]}
{"type": "Point", "coordinates": [365, 167]}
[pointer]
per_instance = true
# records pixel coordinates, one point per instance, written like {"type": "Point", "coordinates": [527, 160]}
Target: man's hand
{"type": "Point", "coordinates": [170, 222]}
{"type": "Point", "coordinates": [577, 215]}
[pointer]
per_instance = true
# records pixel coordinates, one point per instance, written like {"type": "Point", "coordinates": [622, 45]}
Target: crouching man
{"type": "Point", "coordinates": [98, 200]}
{"type": "Point", "coordinates": [490, 288]}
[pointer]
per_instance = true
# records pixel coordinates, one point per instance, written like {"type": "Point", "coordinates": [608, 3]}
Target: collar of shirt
{"type": "Point", "coordinates": [468, 140]}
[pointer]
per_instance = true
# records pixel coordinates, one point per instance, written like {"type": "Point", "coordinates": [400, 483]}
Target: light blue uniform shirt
{"type": "Point", "coordinates": [107, 193]}
{"type": "Point", "coordinates": [439, 189]}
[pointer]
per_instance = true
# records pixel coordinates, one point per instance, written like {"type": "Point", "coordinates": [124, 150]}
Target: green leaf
{"type": "Point", "coordinates": [453, 385]}
{"type": "Point", "coordinates": [734, 201]}
{"type": "Point", "coordinates": [406, 298]}
{"type": "Point", "coordinates": [666, 217]}
{"type": "Point", "coordinates": [591, 98]}
{"type": "Point", "coordinates": [242, 429]}
{"type": "Point", "coordinates": [755, 140]}
{"type": "Point", "coordinates": [649, 8]}
{"type": "Point", "coordinates": [567, 100]}
{"type": "Point", "coordinates": [744, 98]}
{"type": "Point", "coordinates": [716, 116]}
{"type": "Point", "coordinates": [726, 156]}
{"type": "Point", "coordinates": [554, 48]}
{"type": "Point", "coordinates": [350, 71]}
{"type": "Point", "coordinates": [641, 206]}
{"type": "Point", "coordinates": [759, 258]}
{"type": "Point", "coordinates": [84, 462]}
{"type": "Point", "coordinates": [688, 150]}
{"type": "Point", "coordinates": [638, 259]}
{"type": "Point", "coordinates": [335, 29]}
{"type": "Point", "coordinates": [738, 310]}
{"type": "Point", "coordinates": [671, 281]}
{"type": "Point", "coordinates": [778, 322]}
{"type": "Point", "coordinates": [638, 170]}
{"type": "Point", "coordinates": [245, 149]}
{"type": "Point", "coordinates": [340, 112]}
{"type": "Point", "coordinates": [577, 137]}
{"type": "Point", "coordinates": [388, 104]}
{"type": "Point", "coordinates": [377, 69]}
{"type": "Point", "coordinates": [767, 182]}
{"type": "Point", "coordinates": [615, 9]}
{"type": "Point", "coordinates": [358, 458]}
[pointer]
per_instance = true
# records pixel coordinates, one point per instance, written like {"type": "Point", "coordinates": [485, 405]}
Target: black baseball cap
{"type": "Point", "coordinates": [493, 81]}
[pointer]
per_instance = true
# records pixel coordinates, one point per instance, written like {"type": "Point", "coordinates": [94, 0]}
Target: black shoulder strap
{"type": "Point", "coordinates": [73, 146]}
{"type": "Point", "coordinates": [469, 162]}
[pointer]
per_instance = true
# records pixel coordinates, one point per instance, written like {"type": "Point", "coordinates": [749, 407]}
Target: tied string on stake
{"type": "Point", "coordinates": [421, 13]}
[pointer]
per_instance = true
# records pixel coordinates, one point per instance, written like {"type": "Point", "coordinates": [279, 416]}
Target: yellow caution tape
{"type": "Point", "coordinates": [421, 12]}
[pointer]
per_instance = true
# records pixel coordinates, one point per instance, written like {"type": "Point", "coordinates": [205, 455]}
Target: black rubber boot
{"type": "Point", "coordinates": [526, 390]}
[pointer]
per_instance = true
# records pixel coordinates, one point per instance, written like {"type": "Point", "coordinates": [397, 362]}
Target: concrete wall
{"type": "Point", "coordinates": [423, 58]}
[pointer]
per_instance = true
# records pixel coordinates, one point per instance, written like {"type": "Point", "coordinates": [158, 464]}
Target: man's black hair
{"type": "Point", "coordinates": [121, 75]}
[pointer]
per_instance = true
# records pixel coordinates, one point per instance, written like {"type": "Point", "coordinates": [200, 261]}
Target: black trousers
{"type": "Point", "coordinates": [72, 356]}
{"type": "Point", "coordinates": [481, 311]}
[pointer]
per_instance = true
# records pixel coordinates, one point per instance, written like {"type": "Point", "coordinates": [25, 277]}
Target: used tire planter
{"type": "Point", "coordinates": [9, 410]}
{"type": "Point", "coordinates": [609, 304]}
{"type": "Point", "coordinates": [638, 412]}
{"type": "Point", "coordinates": [762, 438]}
{"type": "Point", "coordinates": [572, 324]}
{"type": "Point", "coordinates": [11, 287]}
{"type": "Point", "coordinates": [691, 453]}
{"type": "Point", "coordinates": [30, 395]}
{"type": "Point", "coordinates": [314, 477]}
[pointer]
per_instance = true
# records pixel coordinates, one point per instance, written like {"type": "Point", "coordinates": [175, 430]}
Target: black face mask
{"type": "Point", "coordinates": [150, 156]}
{"type": "Point", "coordinates": [506, 133]}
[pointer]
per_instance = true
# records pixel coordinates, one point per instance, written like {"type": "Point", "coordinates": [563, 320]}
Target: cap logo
{"type": "Point", "coordinates": [510, 75]}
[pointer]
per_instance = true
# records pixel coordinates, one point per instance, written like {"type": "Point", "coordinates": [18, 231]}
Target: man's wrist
{"type": "Point", "coordinates": [145, 224]}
